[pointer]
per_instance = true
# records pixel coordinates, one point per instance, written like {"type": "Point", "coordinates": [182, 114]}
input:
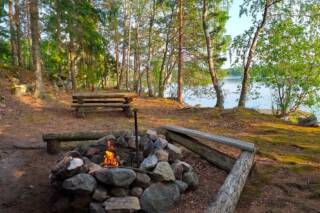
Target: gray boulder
{"type": "Point", "coordinates": [182, 185]}
{"type": "Point", "coordinates": [96, 208]}
{"type": "Point", "coordinates": [162, 155]}
{"type": "Point", "coordinates": [122, 203]}
{"type": "Point", "coordinates": [177, 169]}
{"type": "Point", "coordinates": [132, 142]}
{"type": "Point", "coordinates": [149, 163]}
{"type": "Point", "coordinates": [116, 176]}
{"type": "Point", "coordinates": [103, 140]}
{"type": "Point", "coordinates": [152, 134]}
{"type": "Point", "coordinates": [100, 194]}
{"type": "Point", "coordinates": [142, 180]}
{"type": "Point", "coordinates": [80, 183]}
{"type": "Point", "coordinates": [175, 153]}
{"type": "Point", "coordinates": [159, 197]}
{"type": "Point", "coordinates": [310, 121]}
{"type": "Point", "coordinates": [164, 170]}
{"type": "Point", "coordinates": [160, 143]}
{"type": "Point", "coordinates": [119, 191]}
{"type": "Point", "coordinates": [191, 178]}
{"type": "Point", "coordinates": [136, 191]}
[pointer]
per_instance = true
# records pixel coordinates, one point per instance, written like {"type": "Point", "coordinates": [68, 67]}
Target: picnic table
{"type": "Point", "coordinates": [94, 101]}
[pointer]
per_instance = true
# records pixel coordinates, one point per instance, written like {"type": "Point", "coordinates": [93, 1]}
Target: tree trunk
{"type": "Point", "coordinates": [164, 58]}
{"type": "Point", "coordinates": [212, 71]}
{"type": "Point", "coordinates": [117, 51]}
{"type": "Point", "coordinates": [13, 41]}
{"type": "Point", "coordinates": [18, 33]}
{"type": "Point", "coordinates": [137, 60]}
{"type": "Point", "coordinates": [252, 48]}
{"type": "Point", "coordinates": [124, 50]}
{"type": "Point", "coordinates": [151, 21]}
{"type": "Point", "coordinates": [129, 49]}
{"type": "Point", "coordinates": [180, 54]}
{"type": "Point", "coordinates": [29, 39]}
{"type": "Point", "coordinates": [36, 55]}
{"type": "Point", "coordinates": [73, 64]}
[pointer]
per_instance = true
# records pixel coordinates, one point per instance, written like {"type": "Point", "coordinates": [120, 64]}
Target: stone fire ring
{"type": "Point", "coordinates": [152, 186]}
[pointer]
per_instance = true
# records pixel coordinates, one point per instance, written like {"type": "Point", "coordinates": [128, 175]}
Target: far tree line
{"type": "Point", "coordinates": [146, 45]}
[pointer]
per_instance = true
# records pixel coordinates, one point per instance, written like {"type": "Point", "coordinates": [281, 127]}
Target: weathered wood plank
{"type": "Point", "coordinates": [229, 193]}
{"type": "Point", "coordinates": [77, 136]}
{"type": "Point", "coordinates": [103, 95]}
{"type": "Point", "coordinates": [219, 159]}
{"type": "Point", "coordinates": [215, 138]}
{"type": "Point", "coordinates": [111, 105]}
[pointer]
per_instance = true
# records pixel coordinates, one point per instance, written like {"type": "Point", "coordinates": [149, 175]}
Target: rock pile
{"type": "Point", "coordinates": [154, 185]}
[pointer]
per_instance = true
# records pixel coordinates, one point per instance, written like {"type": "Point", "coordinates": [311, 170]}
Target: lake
{"type": "Point", "coordinates": [260, 95]}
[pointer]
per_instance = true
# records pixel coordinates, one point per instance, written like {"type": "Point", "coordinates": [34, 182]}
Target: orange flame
{"type": "Point", "coordinates": [110, 158]}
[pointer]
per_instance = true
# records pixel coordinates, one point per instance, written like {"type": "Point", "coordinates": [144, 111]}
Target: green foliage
{"type": "Point", "coordinates": [289, 62]}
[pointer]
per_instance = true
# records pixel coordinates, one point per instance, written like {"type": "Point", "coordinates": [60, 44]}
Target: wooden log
{"type": "Point", "coordinates": [78, 136]}
{"type": "Point", "coordinates": [103, 95]}
{"type": "Point", "coordinates": [216, 157]}
{"type": "Point", "coordinates": [53, 146]}
{"type": "Point", "coordinates": [229, 193]}
{"type": "Point", "coordinates": [94, 101]}
{"type": "Point", "coordinates": [215, 138]}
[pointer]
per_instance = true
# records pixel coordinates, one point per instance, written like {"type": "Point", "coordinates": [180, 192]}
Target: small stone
{"type": "Point", "coordinates": [100, 194]}
{"type": "Point", "coordinates": [191, 179]}
{"type": "Point", "coordinates": [75, 163]}
{"type": "Point", "coordinates": [162, 155]}
{"type": "Point", "coordinates": [152, 134]}
{"type": "Point", "coordinates": [160, 143]}
{"type": "Point", "coordinates": [97, 158]}
{"type": "Point", "coordinates": [182, 185]}
{"type": "Point", "coordinates": [175, 153]}
{"type": "Point", "coordinates": [119, 191]}
{"type": "Point", "coordinates": [136, 191]}
{"type": "Point", "coordinates": [149, 163]}
{"type": "Point", "coordinates": [90, 166]}
{"type": "Point", "coordinates": [96, 208]}
{"type": "Point", "coordinates": [142, 180]}
{"type": "Point", "coordinates": [177, 170]}
{"type": "Point", "coordinates": [122, 203]}
{"type": "Point", "coordinates": [116, 176]}
{"type": "Point", "coordinates": [80, 183]}
{"type": "Point", "coordinates": [164, 170]}
{"type": "Point", "coordinates": [122, 141]}
{"type": "Point", "coordinates": [132, 142]}
{"type": "Point", "coordinates": [92, 151]}
{"type": "Point", "coordinates": [159, 197]}
{"type": "Point", "coordinates": [103, 140]}
{"type": "Point", "coordinates": [148, 149]}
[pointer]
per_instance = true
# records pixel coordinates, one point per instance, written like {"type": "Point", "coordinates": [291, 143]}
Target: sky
{"type": "Point", "coordinates": [236, 25]}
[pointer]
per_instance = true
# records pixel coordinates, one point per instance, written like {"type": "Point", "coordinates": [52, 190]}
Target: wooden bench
{"type": "Point", "coordinates": [85, 102]}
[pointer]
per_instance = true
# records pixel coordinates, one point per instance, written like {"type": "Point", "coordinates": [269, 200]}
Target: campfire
{"type": "Point", "coordinates": [110, 157]}
{"type": "Point", "coordinates": [114, 174]}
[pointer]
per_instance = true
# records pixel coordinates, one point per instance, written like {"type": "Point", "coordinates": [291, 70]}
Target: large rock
{"type": "Point", "coordinates": [96, 208]}
{"type": "Point", "coordinates": [80, 183]}
{"type": "Point", "coordinates": [67, 167]}
{"type": "Point", "coordinates": [159, 197]}
{"type": "Point", "coordinates": [177, 169]}
{"type": "Point", "coordinates": [103, 140]}
{"type": "Point", "coordinates": [175, 152]}
{"type": "Point", "coordinates": [122, 203]}
{"type": "Point", "coordinates": [152, 134]}
{"type": "Point", "coordinates": [162, 155]}
{"type": "Point", "coordinates": [116, 176]}
{"type": "Point", "coordinates": [191, 178]}
{"type": "Point", "coordinates": [164, 170]}
{"type": "Point", "coordinates": [132, 142]}
{"type": "Point", "coordinates": [310, 121]}
{"type": "Point", "coordinates": [100, 194]}
{"type": "Point", "coordinates": [136, 191]}
{"type": "Point", "coordinates": [149, 163]}
{"type": "Point", "coordinates": [119, 191]}
{"type": "Point", "coordinates": [90, 166]}
{"type": "Point", "coordinates": [142, 180]}
{"type": "Point", "coordinates": [182, 185]}
{"type": "Point", "coordinates": [160, 143]}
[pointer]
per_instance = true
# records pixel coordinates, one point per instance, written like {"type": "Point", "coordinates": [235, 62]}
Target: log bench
{"type": "Point", "coordinates": [86, 102]}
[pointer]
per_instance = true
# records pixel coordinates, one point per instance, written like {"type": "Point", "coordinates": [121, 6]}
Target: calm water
{"type": "Point", "coordinates": [260, 95]}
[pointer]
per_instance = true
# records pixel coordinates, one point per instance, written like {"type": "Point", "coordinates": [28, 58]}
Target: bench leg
{"type": "Point", "coordinates": [128, 111]}
{"type": "Point", "coordinates": [53, 147]}
{"type": "Point", "coordinates": [80, 113]}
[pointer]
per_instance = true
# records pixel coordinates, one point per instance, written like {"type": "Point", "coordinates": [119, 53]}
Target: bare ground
{"type": "Point", "coordinates": [286, 176]}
